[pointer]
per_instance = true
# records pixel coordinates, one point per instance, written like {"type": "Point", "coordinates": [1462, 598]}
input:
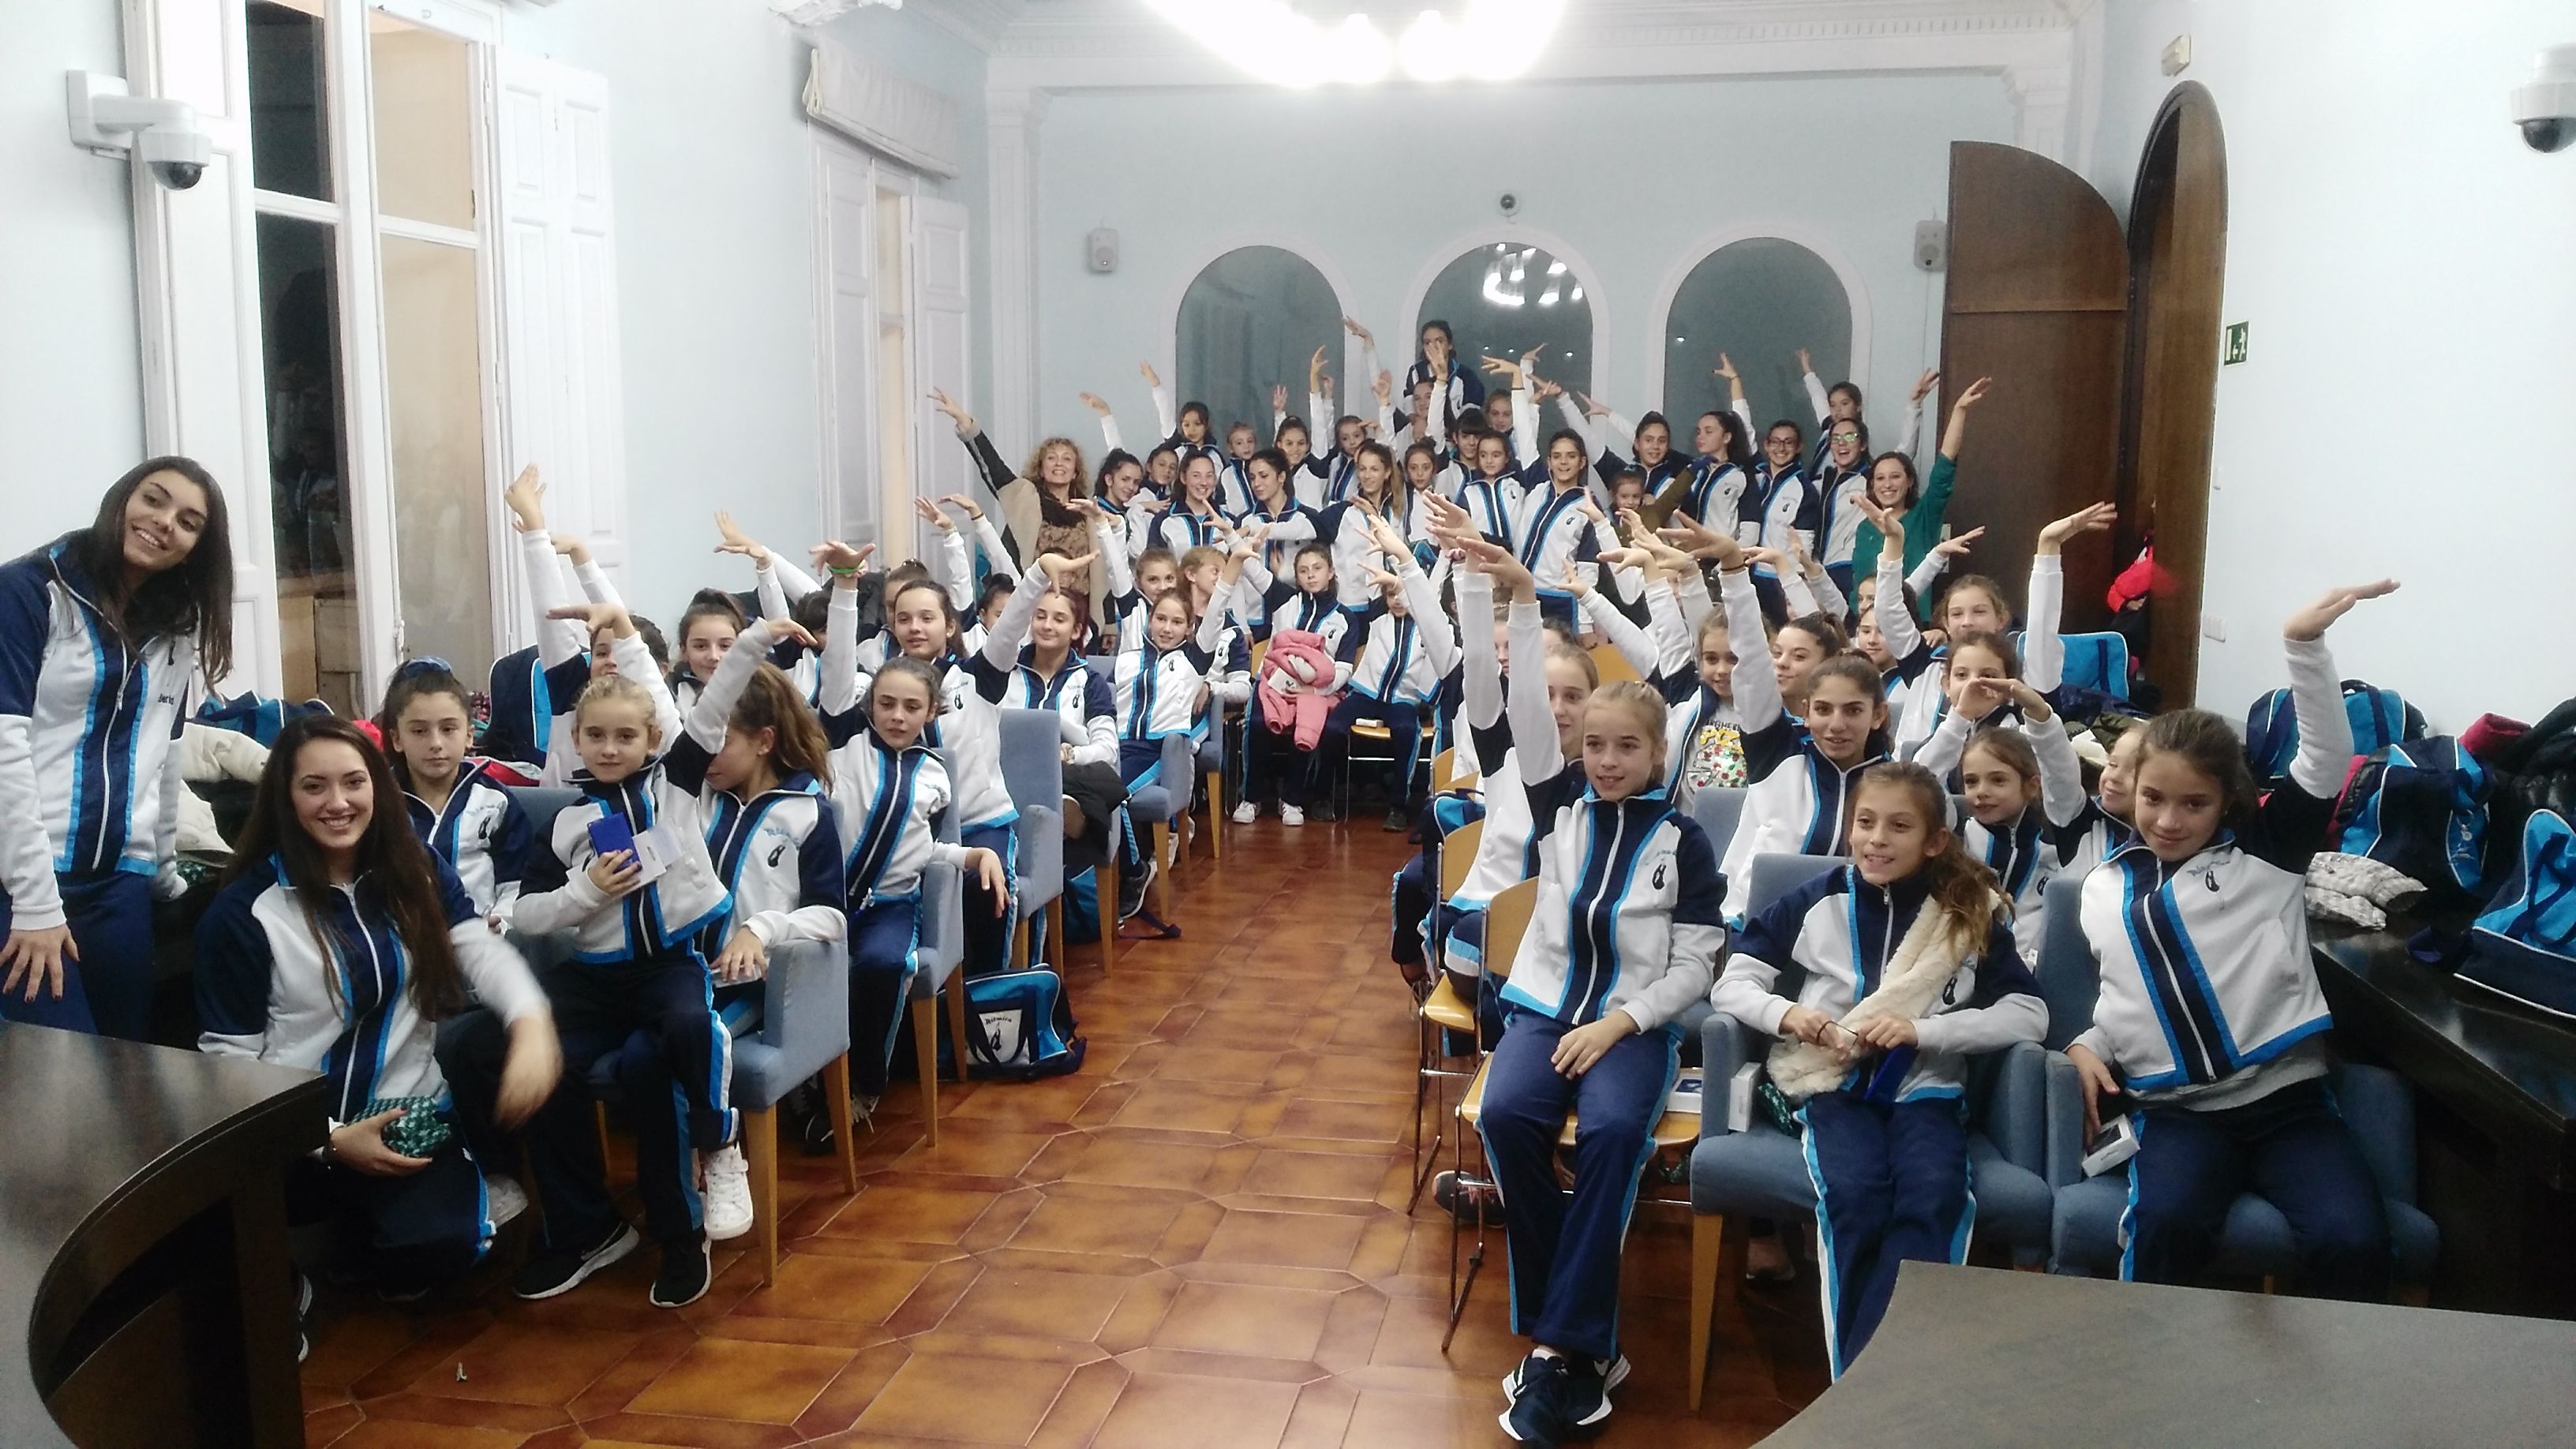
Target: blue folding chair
{"type": "Point", "coordinates": [1033, 772]}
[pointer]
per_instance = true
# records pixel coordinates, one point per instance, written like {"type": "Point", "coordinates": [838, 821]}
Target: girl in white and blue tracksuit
{"type": "Point", "coordinates": [473, 823]}
{"type": "Point", "coordinates": [1704, 737]}
{"type": "Point", "coordinates": [2029, 819]}
{"type": "Point", "coordinates": [363, 1012]}
{"type": "Point", "coordinates": [1910, 968]}
{"type": "Point", "coordinates": [1407, 648]}
{"type": "Point", "coordinates": [2210, 1015]}
{"type": "Point", "coordinates": [1795, 803]}
{"type": "Point", "coordinates": [967, 732]}
{"type": "Point", "coordinates": [1780, 510]}
{"type": "Point", "coordinates": [634, 966]}
{"type": "Point", "coordinates": [1087, 717]}
{"type": "Point", "coordinates": [1624, 935]}
{"type": "Point", "coordinates": [766, 814]}
{"type": "Point", "coordinates": [1154, 688]}
{"type": "Point", "coordinates": [1553, 533]}
{"type": "Point", "coordinates": [89, 783]}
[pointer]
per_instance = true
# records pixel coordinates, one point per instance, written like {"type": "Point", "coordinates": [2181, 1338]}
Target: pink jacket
{"type": "Point", "coordinates": [1306, 709]}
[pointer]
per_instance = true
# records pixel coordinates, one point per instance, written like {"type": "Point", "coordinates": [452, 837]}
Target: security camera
{"type": "Point", "coordinates": [162, 135]}
{"type": "Point", "coordinates": [2545, 107]}
{"type": "Point", "coordinates": [1509, 204]}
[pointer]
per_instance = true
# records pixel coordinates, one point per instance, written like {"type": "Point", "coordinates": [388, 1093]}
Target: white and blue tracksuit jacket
{"type": "Point", "coordinates": [888, 801]}
{"type": "Point", "coordinates": [89, 778]}
{"type": "Point", "coordinates": [2044, 840]}
{"type": "Point", "coordinates": [2207, 985]}
{"type": "Point", "coordinates": [656, 921]}
{"type": "Point", "coordinates": [1080, 700]}
{"type": "Point", "coordinates": [266, 990]}
{"type": "Point", "coordinates": [1794, 805]}
{"type": "Point", "coordinates": [1156, 691]}
{"type": "Point", "coordinates": [1493, 504]}
{"type": "Point", "coordinates": [1779, 506]}
{"type": "Point", "coordinates": [1277, 603]}
{"type": "Point", "coordinates": [481, 832]}
{"type": "Point", "coordinates": [969, 725]}
{"type": "Point", "coordinates": [1842, 931]}
{"type": "Point", "coordinates": [1715, 492]}
{"type": "Point", "coordinates": [1627, 912]}
{"type": "Point", "coordinates": [1405, 656]}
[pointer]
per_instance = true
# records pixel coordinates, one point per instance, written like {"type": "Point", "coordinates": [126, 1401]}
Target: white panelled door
{"type": "Point", "coordinates": [940, 339]}
{"type": "Point", "coordinates": [563, 409]}
{"type": "Point", "coordinates": [197, 289]}
{"type": "Point", "coordinates": [845, 189]}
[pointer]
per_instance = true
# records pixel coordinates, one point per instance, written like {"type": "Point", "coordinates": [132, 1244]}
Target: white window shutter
{"type": "Point", "coordinates": [939, 307]}
{"type": "Point", "coordinates": [564, 378]}
{"type": "Point", "coordinates": [195, 262]}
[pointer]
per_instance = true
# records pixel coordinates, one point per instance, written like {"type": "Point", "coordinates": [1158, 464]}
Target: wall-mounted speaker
{"type": "Point", "coordinates": [1931, 245]}
{"type": "Point", "coordinates": [1102, 250]}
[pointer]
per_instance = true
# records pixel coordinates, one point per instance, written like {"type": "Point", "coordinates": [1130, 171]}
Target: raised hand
{"type": "Point", "coordinates": [1504, 367]}
{"type": "Point", "coordinates": [840, 558]}
{"type": "Point", "coordinates": [1152, 379]}
{"type": "Point", "coordinates": [1980, 697]}
{"type": "Point", "coordinates": [1806, 364]}
{"type": "Point", "coordinates": [1592, 409]}
{"type": "Point", "coordinates": [1890, 523]}
{"type": "Point", "coordinates": [1698, 540]}
{"type": "Point", "coordinates": [1315, 377]}
{"type": "Point", "coordinates": [1975, 394]}
{"type": "Point", "coordinates": [1384, 535]}
{"type": "Point", "coordinates": [1542, 389]}
{"type": "Point", "coordinates": [2313, 621]}
{"type": "Point", "coordinates": [1279, 397]}
{"type": "Point", "coordinates": [1923, 386]}
{"type": "Point", "coordinates": [737, 541]}
{"type": "Point", "coordinates": [1726, 367]}
{"type": "Point", "coordinates": [782, 631]}
{"type": "Point", "coordinates": [1096, 403]}
{"type": "Point", "coordinates": [1769, 558]}
{"type": "Point", "coordinates": [1384, 387]}
{"type": "Point", "coordinates": [526, 497]}
{"type": "Point", "coordinates": [931, 515]}
{"type": "Point", "coordinates": [1061, 570]}
{"type": "Point", "coordinates": [2093, 518]}
{"type": "Point", "coordinates": [595, 617]}
{"type": "Point", "coordinates": [962, 504]}
{"type": "Point", "coordinates": [1353, 327]}
{"type": "Point", "coordinates": [1957, 545]}
{"type": "Point", "coordinates": [955, 413]}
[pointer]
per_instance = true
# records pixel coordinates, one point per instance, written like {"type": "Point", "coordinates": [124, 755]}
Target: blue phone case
{"type": "Point", "coordinates": [612, 833]}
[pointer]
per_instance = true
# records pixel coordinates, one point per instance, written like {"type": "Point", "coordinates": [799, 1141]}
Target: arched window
{"type": "Point", "coordinates": [1250, 321]}
{"type": "Point", "coordinates": [1758, 301]}
{"type": "Point", "coordinates": [1504, 299]}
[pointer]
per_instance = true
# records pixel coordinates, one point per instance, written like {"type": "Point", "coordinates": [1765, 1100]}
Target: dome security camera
{"type": "Point", "coordinates": [1508, 203]}
{"type": "Point", "coordinates": [161, 135]}
{"type": "Point", "coordinates": [2545, 106]}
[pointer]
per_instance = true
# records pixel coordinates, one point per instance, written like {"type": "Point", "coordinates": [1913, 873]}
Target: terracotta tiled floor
{"type": "Point", "coordinates": [1197, 1240]}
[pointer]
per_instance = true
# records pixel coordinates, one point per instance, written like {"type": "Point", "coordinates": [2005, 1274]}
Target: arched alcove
{"type": "Point", "coordinates": [1504, 299]}
{"type": "Point", "coordinates": [1249, 321]}
{"type": "Point", "coordinates": [1757, 300]}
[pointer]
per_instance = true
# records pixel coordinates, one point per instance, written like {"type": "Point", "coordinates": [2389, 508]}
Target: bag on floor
{"type": "Point", "coordinates": [1020, 1026]}
{"type": "Point", "coordinates": [2525, 947]}
{"type": "Point", "coordinates": [2380, 718]}
{"type": "Point", "coordinates": [2420, 807]}
{"type": "Point", "coordinates": [1082, 909]}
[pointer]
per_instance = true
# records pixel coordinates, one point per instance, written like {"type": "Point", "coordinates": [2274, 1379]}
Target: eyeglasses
{"type": "Point", "coordinates": [1846, 437]}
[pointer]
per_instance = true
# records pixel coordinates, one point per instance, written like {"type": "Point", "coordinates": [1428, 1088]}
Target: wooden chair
{"type": "Point", "coordinates": [1441, 1011]}
{"type": "Point", "coordinates": [1506, 920]}
{"type": "Point", "coordinates": [1612, 665]}
{"type": "Point", "coordinates": [1445, 774]}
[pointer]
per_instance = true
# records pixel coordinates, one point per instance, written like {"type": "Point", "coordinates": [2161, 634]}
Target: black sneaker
{"type": "Point", "coordinates": [1324, 809]}
{"type": "Point", "coordinates": [561, 1270]}
{"type": "Point", "coordinates": [687, 1269]}
{"type": "Point", "coordinates": [1587, 1394]}
{"type": "Point", "coordinates": [1132, 887]}
{"type": "Point", "coordinates": [1538, 1415]}
{"type": "Point", "coordinates": [1469, 1205]}
{"type": "Point", "coordinates": [1398, 818]}
{"type": "Point", "coordinates": [1610, 1372]}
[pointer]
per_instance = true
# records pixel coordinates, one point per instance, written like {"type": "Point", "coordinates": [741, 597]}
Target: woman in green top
{"type": "Point", "coordinates": [1893, 484]}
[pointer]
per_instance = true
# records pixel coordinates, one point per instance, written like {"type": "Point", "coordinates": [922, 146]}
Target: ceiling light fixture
{"type": "Point", "coordinates": [1296, 43]}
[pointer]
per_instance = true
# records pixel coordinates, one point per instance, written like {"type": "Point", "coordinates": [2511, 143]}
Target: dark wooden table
{"type": "Point", "coordinates": [1978, 1357]}
{"type": "Point", "coordinates": [145, 1292]}
{"type": "Point", "coordinates": [2495, 1115]}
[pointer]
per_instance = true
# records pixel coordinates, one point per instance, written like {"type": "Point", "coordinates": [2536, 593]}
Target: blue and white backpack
{"type": "Point", "coordinates": [2380, 718]}
{"type": "Point", "coordinates": [1020, 1026]}
{"type": "Point", "coordinates": [2421, 808]}
{"type": "Point", "coordinates": [2524, 947]}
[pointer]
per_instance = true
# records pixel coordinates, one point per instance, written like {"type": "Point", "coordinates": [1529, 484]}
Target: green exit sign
{"type": "Point", "coordinates": [2235, 344]}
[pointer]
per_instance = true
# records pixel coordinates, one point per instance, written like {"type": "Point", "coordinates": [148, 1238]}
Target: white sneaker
{"type": "Point", "coordinates": [503, 1199]}
{"type": "Point", "coordinates": [728, 1193]}
{"type": "Point", "coordinates": [1246, 812]}
{"type": "Point", "coordinates": [1292, 815]}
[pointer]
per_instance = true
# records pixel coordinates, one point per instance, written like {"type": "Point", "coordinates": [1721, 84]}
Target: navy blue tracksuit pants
{"type": "Point", "coordinates": [1564, 1248]}
{"type": "Point", "coordinates": [406, 1233]}
{"type": "Point", "coordinates": [883, 934]}
{"type": "Point", "coordinates": [2293, 1150]}
{"type": "Point", "coordinates": [1891, 1185]}
{"type": "Point", "coordinates": [1403, 721]}
{"type": "Point", "coordinates": [109, 989]}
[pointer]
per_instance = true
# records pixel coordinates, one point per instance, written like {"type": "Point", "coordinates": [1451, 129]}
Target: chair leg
{"type": "Point", "coordinates": [1708, 1249]}
{"type": "Point", "coordinates": [925, 1048]}
{"type": "Point", "coordinates": [760, 1147]}
{"type": "Point", "coordinates": [1162, 840]}
{"type": "Point", "coordinates": [836, 1091]}
{"type": "Point", "coordinates": [1020, 945]}
{"type": "Point", "coordinates": [1216, 815]}
{"type": "Point", "coordinates": [599, 1115]}
{"type": "Point", "coordinates": [1055, 934]}
{"type": "Point", "coordinates": [956, 994]}
{"type": "Point", "coordinates": [1104, 901]}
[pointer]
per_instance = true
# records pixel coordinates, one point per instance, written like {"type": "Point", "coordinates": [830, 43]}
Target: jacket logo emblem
{"type": "Point", "coordinates": [1659, 877]}
{"type": "Point", "coordinates": [777, 853]}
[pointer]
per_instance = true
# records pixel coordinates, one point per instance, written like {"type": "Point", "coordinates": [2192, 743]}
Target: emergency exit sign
{"type": "Point", "coordinates": [2235, 350]}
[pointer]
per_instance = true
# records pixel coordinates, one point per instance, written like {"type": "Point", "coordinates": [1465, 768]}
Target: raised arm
{"type": "Point", "coordinates": [1955, 436]}
{"type": "Point", "coordinates": [713, 712]}
{"type": "Point", "coordinates": [1816, 398]}
{"type": "Point", "coordinates": [1110, 440]}
{"type": "Point", "coordinates": [837, 687]}
{"type": "Point", "coordinates": [2043, 660]}
{"type": "Point", "coordinates": [1911, 436]}
{"type": "Point", "coordinates": [1480, 669]}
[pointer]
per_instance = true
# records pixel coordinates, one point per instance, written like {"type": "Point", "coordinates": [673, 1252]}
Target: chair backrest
{"type": "Point", "coordinates": [1103, 665]}
{"type": "Point", "coordinates": [2096, 661]}
{"type": "Point", "coordinates": [1445, 774]}
{"type": "Point", "coordinates": [1458, 856]}
{"type": "Point", "coordinates": [1505, 922]}
{"type": "Point", "coordinates": [1260, 650]}
{"type": "Point", "coordinates": [2070, 979]}
{"type": "Point", "coordinates": [1611, 664]}
{"type": "Point", "coordinates": [1774, 876]}
{"type": "Point", "coordinates": [1032, 760]}
{"type": "Point", "coordinates": [541, 804]}
{"type": "Point", "coordinates": [1717, 808]}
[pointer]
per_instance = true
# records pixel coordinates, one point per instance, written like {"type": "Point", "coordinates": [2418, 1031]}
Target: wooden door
{"type": "Point", "coordinates": [2037, 300]}
{"type": "Point", "coordinates": [2177, 252]}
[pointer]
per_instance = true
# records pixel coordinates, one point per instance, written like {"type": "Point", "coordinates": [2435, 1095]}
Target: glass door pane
{"type": "Point", "coordinates": [434, 396]}
{"type": "Point", "coordinates": [289, 120]}
{"type": "Point", "coordinates": [423, 89]}
{"type": "Point", "coordinates": [299, 309]}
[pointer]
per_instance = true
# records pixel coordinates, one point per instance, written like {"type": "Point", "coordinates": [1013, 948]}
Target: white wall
{"type": "Point", "coordinates": [71, 406]}
{"type": "Point", "coordinates": [1380, 188]}
{"type": "Point", "coordinates": [2404, 263]}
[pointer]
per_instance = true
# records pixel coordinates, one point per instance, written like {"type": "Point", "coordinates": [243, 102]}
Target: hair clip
{"type": "Point", "coordinates": [425, 664]}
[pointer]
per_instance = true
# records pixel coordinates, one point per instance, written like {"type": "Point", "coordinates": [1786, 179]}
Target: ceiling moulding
{"type": "Point", "coordinates": [980, 23]}
{"type": "Point", "coordinates": [817, 12]}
